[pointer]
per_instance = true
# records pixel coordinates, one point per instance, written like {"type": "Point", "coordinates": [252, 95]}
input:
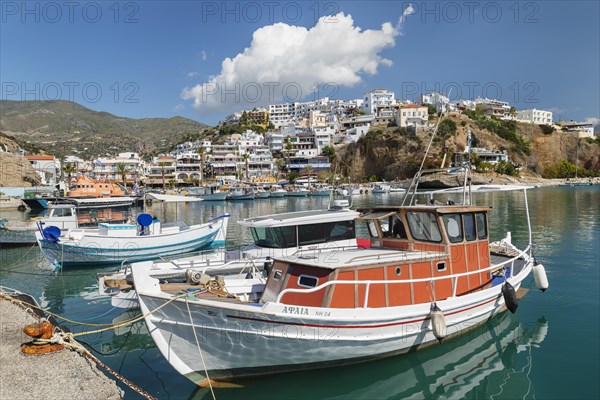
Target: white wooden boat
{"type": "Point", "coordinates": [115, 243]}
{"type": "Point", "coordinates": [64, 216]}
{"type": "Point", "coordinates": [277, 191]}
{"type": "Point", "coordinates": [241, 193]}
{"type": "Point", "coordinates": [277, 235]}
{"type": "Point", "coordinates": [321, 190]}
{"type": "Point", "coordinates": [209, 193]}
{"type": "Point", "coordinates": [262, 194]}
{"type": "Point", "coordinates": [297, 192]}
{"type": "Point", "coordinates": [381, 188]}
{"type": "Point", "coordinates": [430, 274]}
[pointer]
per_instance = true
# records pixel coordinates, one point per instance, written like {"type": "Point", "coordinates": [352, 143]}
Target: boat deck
{"type": "Point", "coordinates": [518, 264]}
{"type": "Point", "coordinates": [174, 288]}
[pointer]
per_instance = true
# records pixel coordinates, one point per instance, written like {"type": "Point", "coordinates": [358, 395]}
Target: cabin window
{"type": "Point", "coordinates": [398, 230]}
{"type": "Point", "coordinates": [307, 281]}
{"type": "Point", "coordinates": [441, 267]}
{"type": "Point", "coordinates": [481, 225]}
{"type": "Point", "coordinates": [398, 271]}
{"type": "Point", "coordinates": [372, 228]}
{"type": "Point", "coordinates": [277, 274]}
{"type": "Point", "coordinates": [424, 226]}
{"type": "Point", "coordinates": [469, 221]}
{"type": "Point", "coordinates": [453, 227]}
{"type": "Point", "coordinates": [274, 238]}
{"type": "Point", "coordinates": [62, 212]}
{"type": "Point", "coordinates": [327, 232]}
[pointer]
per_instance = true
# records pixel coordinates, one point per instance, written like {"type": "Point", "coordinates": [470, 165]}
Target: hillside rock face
{"type": "Point", "coordinates": [394, 154]}
{"type": "Point", "coordinates": [16, 171]}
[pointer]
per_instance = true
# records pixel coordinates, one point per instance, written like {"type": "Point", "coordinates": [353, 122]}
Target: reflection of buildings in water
{"type": "Point", "coordinates": [492, 361]}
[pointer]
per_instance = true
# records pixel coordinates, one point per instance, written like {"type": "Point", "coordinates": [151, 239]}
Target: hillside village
{"type": "Point", "coordinates": [375, 137]}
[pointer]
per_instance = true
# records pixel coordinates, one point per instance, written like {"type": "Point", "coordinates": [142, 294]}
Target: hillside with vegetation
{"type": "Point", "coordinates": [393, 153]}
{"type": "Point", "coordinates": [63, 128]}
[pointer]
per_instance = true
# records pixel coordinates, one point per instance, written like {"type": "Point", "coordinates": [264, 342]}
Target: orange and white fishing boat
{"type": "Point", "coordinates": [430, 273]}
{"type": "Point", "coordinates": [85, 186]}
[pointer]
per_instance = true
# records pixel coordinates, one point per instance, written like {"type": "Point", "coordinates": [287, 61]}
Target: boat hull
{"type": "Point", "coordinates": [215, 196]}
{"type": "Point", "coordinates": [246, 340]}
{"type": "Point", "coordinates": [297, 194]}
{"type": "Point", "coordinates": [9, 237]}
{"type": "Point", "coordinates": [98, 250]}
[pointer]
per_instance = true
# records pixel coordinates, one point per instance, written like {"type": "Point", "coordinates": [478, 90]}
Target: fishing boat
{"type": "Point", "coordinates": [241, 193]}
{"type": "Point", "coordinates": [276, 235]}
{"type": "Point", "coordinates": [297, 191]}
{"type": "Point", "coordinates": [396, 189]}
{"type": "Point", "coordinates": [381, 188]}
{"type": "Point", "coordinates": [64, 216]}
{"type": "Point", "coordinates": [321, 190]}
{"type": "Point", "coordinates": [277, 191]}
{"type": "Point", "coordinates": [429, 274]}
{"type": "Point", "coordinates": [209, 193]}
{"type": "Point", "coordinates": [262, 193]}
{"type": "Point", "coordinates": [114, 243]}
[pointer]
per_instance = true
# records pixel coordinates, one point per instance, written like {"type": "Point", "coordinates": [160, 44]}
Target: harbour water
{"type": "Point", "coordinates": [549, 349]}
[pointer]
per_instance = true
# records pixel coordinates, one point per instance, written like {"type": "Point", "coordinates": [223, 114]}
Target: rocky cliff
{"type": "Point", "coordinates": [392, 153]}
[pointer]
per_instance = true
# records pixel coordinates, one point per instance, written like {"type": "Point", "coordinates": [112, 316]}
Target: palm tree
{"type": "Point", "coordinates": [201, 153]}
{"type": "Point", "coordinates": [162, 166]}
{"type": "Point", "coordinates": [69, 169]}
{"type": "Point", "coordinates": [308, 171]}
{"type": "Point", "coordinates": [246, 158]}
{"type": "Point", "coordinates": [123, 171]}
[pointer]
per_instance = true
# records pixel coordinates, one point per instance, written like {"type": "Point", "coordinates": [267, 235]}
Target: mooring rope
{"type": "Point", "coordinates": [200, 350]}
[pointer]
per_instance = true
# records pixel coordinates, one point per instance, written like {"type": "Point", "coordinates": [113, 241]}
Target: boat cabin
{"type": "Point", "coordinates": [411, 250]}
{"type": "Point", "coordinates": [304, 229]}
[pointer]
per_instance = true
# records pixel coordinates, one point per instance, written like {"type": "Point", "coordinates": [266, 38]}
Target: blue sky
{"type": "Point", "coordinates": [155, 58]}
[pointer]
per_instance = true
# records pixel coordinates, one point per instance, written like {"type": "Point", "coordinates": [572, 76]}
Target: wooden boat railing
{"type": "Point", "coordinates": [368, 283]}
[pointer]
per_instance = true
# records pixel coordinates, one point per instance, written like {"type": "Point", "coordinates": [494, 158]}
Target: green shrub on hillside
{"type": "Point", "coordinates": [566, 169]}
{"type": "Point", "coordinates": [547, 129]}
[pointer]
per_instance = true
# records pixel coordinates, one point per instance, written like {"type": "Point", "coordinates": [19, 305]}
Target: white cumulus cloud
{"type": "Point", "coordinates": [592, 120]}
{"type": "Point", "coordinates": [285, 61]}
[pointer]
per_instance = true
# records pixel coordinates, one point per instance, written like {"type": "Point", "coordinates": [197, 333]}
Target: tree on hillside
{"type": "Point", "coordinates": [122, 170]}
{"type": "Point", "coordinates": [162, 166]}
{"type": "Point", "coordinates": [202, 154]}
{"type": "Point", "coordinates": [329, 151]}
{"type": "Point", "coordinates": [69, 169]}
{"type": "Point", "coordinates": [246, 158]}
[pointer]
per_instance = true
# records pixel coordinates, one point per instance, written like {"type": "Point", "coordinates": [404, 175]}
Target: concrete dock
{"type": "Point", "coordinates": [60, 375]}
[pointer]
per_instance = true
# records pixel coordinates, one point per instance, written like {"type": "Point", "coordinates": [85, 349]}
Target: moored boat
{"type": "Point", "coordinates": [430, 273]}
{"type": "Point", "coordinates": [277, 191]}
{"type": "Point", "coordinates": [114, 243]}
{"type": "Point", "coordinates": [276, 235]}
{"type": "Point", "coordinates": [241, 193]}
{"type": "Point", "coordinates": [381, 188]}
{"type": "Point", "coordinates": [297, 191]}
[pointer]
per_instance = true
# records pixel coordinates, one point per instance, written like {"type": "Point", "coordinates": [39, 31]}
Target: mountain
{"type": "Point", "coordinates": [63, 127]}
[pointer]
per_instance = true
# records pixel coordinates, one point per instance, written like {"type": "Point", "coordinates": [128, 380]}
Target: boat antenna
{"type": "Point", "coordinates": [415, 180]}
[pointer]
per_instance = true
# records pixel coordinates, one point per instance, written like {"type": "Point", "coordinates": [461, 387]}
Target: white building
{"type": "Point", "coordinates": [493, 108]}
{"type": "Point", "coordinates": [412, 115]}
{"type": "Point", "coordinates": [533, 116]}
{"type": "Point", "coordinates": [106, 167]}
{"type": "Point", "coordinates": [353, 128]}
{"type": "Point", "coordinates": [492, 157]}
{"type": "Point", "coordinates": [582, 129]}
{"type": "Point", "coordinates": [47, 167]}
{"type": "Point", "coordinates": [275, 141]}
{"type": "Point", "coordinates": [378, 98]}
{"type": "Point", "coordinates": [187, 147]}
{"type": "Point", "coordinates": [437, 100]}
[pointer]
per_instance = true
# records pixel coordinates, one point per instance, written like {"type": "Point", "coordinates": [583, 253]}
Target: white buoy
{"type": "Point", "coordinates": [438, 322]}
{"type": "Point", "coordinates": [540, 278]}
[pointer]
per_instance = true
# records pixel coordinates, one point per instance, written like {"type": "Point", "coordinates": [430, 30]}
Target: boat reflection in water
{"type": "Point", "coordinates": [492, 361]}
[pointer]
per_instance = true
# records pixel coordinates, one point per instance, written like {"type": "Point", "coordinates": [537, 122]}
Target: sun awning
{"type": "Point", "coordinates": [376, 215]}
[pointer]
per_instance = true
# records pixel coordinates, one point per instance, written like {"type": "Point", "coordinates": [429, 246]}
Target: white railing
{"type": "Point", "coordinates": [368, 283]}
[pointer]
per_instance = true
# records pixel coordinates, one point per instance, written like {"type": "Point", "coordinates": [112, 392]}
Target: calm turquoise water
{"type": "Point", "coordinates": [548, 349]}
